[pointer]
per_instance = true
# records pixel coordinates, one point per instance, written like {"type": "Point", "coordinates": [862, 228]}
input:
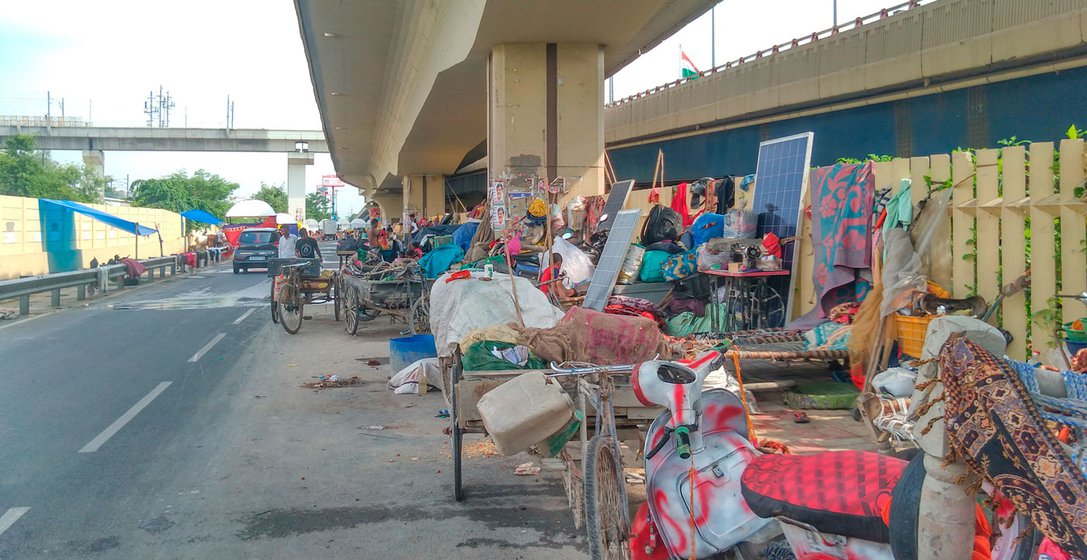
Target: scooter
{"type": "Point", "coordinates": [711, 492]}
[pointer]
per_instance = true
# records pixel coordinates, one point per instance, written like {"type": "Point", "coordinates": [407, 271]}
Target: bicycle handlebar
{"type": "Point", "coordinates": [588, 369]}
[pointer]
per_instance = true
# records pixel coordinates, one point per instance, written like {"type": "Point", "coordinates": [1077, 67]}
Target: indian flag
{"type": "Point", "coordinates": [687, 68]}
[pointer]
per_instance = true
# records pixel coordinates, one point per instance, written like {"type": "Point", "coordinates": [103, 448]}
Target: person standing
{"type": "Point", "coordinates": [306, 246]}
{"type": "Point", "coordinates": [286, 243]}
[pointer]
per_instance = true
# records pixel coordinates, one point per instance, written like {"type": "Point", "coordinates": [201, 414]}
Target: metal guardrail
{"type": "Point", "coordinates": [95, 278]}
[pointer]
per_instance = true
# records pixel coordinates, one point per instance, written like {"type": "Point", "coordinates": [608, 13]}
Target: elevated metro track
{"type": "Point", "coordinates": [143, 139]}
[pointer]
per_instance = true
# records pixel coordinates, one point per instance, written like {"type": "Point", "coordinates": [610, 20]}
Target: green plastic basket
{"type": "Point", "coordinates": [1073, 335]}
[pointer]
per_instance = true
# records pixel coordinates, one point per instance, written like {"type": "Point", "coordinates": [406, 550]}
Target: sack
{"type": "Point", "coordinates": [739, 223]}
{"type": "Point", "coordinates": [661, 223]}
{"type": "Point", "coordinates": [653, 266]}
{"type": "Point", "coordinates": [709, 259]}
{"type": "Point", "coordinates": [680, 266]}
{"type": "Point", "coordinates": [632, 265]}
{"type": "Point", "coordinates": [706, 227]}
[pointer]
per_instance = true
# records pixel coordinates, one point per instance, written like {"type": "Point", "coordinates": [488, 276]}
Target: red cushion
{"type": "Point", "coordinates": [840, 492]}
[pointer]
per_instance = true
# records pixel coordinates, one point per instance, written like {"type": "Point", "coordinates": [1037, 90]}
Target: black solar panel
{"type": "Point", "coordinates": [611, 259]}
{"type": "Point", "coordinates": [779, 180]}
{"type": "Point", "coordinates": [617, 199]}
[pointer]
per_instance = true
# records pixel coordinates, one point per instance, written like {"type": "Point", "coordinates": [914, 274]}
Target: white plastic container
{"type": "Point", "coordinates": [524, 411]}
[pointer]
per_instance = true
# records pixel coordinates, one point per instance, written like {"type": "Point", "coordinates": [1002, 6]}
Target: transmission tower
{"type": "Point", "coordinates": [157, 108]}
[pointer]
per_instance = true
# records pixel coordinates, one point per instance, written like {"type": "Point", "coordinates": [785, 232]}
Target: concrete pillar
{"type": "Point", "coordinates": [545, 113]}
{"type": "Point", "coordinates": [96, 161]}
{"type": "Point", "coordinates": [392, 206]}
{"type": "Point", "coordinates": [296, 183]}
{"type": "Point", "coordinates": [424, 195]}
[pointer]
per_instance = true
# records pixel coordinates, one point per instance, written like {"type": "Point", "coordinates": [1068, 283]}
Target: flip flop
{"type": "Point", "coordinates": [801, 418]}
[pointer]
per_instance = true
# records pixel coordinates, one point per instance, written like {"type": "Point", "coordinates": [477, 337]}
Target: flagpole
{"type": "Point", "coordinates": [713, 37]}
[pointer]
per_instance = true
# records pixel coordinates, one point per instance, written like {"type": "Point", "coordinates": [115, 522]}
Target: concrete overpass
{"type": "Point", "coordinates": [95, 141]}
{"type": "Point", "coordinates": [407, 89]}
{"type": "Point", "coordinates": [923, 80]}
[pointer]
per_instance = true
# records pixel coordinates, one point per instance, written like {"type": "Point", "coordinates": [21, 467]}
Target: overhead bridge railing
{"type": "Point", "coordinates": [95, 279]}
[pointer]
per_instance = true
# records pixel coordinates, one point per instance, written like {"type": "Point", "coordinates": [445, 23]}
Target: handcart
{"type": "Point", "coordinates": [400, 291]}
{"type": "Point", "coordinates": [594, 477]}
{"type": "Point", "coordinates": [297, 282]}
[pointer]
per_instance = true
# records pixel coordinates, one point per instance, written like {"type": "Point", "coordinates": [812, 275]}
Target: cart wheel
{"type": "Point", "coordinates": [275, 306]}
{"type": "Point", "coordinates": [420, 316]}
{"type": "Point", "coordinates": [606, 517]}
{"type": "Point", "coordinates": [350, 312]}
{"type": "Point", "coordinates": [290, 308]}
{"type": "Point", "coordinates": [455, 440]}
{"type": "Point", "coordinates": [336, 289]}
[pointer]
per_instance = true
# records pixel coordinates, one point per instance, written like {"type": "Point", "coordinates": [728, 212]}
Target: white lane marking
{"type": "Point", "coordinates": [125, 418]}
{"type": "Point", "coordinates": [10, 517]}
{"type": "Point", "coordinates": [23, 320]}
{"type": "Point", "coordinates": [244, 316]}
{"type": "Point", "coordinates": [204, 350]}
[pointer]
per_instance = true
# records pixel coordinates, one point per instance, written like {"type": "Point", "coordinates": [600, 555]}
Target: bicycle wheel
{"type": "Point", "coordinates": [420, 315]}
{"type": "Point", "coordinates": [275, 305]}
{"type": "Point", "coordinates": [350, 312]}
{"type": "Point", "coordinates": [455, 440]}
{"type": "Point", "coordinates": [336, 292]}
{"type": "Point", "coordinates": [606, 516]}
{"type": "Point", "coordinates": [290, 308]}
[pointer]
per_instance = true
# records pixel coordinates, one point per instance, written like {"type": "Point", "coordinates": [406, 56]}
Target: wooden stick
{"type": "Point", "coordinates": [513, 285]}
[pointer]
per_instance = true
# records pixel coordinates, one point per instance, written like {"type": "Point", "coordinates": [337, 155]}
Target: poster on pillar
{"type": "Point", "coordinates": [496, 196]}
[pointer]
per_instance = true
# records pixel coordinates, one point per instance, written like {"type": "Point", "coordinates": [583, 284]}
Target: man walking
{"type": "Point", "coordinates": [306, 246]}
{"type": "Point", "coordinates": [286, 243]}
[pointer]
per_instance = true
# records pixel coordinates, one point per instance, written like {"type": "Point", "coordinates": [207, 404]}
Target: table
{"type": "Point", "coordinates": [751, 303]}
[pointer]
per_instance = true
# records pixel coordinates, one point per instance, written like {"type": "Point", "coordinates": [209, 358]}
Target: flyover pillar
{"type": "Point", "coordinates": [95, 160]}
{"type": "Point", "coordinates": [424, 195]}
{"type": "Point", "coordinates": [296, 183]}
{"type": "Point", "coordinates": [545, 113]}
{"type": "Point", "coordinates": [391, 204]}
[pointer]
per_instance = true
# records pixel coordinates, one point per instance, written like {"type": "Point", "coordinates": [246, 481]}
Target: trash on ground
{"type": "Point", "coordinates": [526, 469]}
{"type": "Point", "coordinates": [332, 382]}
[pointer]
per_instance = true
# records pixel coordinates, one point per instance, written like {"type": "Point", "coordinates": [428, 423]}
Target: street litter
{"type": "Point", "coordinates": [526, 469]}
{"type": "Point", "coordinates": [332, 382]}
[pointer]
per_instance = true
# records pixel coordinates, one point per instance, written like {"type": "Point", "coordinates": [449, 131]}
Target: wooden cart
{"type": "Point", "coordinates": [462, 391]}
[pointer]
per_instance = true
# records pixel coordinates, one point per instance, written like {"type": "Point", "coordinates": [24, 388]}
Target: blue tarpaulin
{"type": "Point", "coordinates": [201, 216]}
{"type": "Point", "coordinates": [119, 223]}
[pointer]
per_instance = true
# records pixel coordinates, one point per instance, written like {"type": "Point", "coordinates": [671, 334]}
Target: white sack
{"type": "Point", "coordinates": [462, 306]}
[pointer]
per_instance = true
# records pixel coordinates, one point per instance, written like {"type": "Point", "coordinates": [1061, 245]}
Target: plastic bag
{"type": "Point", "coordinates": [575, 263]}
{"type": "Point", "coordinates": [709, 258]}
{"type": "Point", "coordinates": [653, 266]}
{"type": "Point", "coordinates": [632, 264]}
{"type": "Point", "coordinates": [739, 223]}
{"type": "Point", "coordinates": [897, 382]}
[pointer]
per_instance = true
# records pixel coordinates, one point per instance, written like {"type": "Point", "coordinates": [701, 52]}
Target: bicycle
{"type": "Point", "coordinates": [298, 290]}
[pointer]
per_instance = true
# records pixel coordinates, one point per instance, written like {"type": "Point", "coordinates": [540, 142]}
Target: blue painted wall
{"type": "Point", "coordinates": [1038, 108]}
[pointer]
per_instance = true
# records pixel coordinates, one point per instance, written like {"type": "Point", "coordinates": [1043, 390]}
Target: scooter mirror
{"type": "Point", "coordinates": [603, 218]}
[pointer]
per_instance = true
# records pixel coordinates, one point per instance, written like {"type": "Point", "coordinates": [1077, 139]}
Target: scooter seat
{"type": "Point", "coordinates": [839, 492]}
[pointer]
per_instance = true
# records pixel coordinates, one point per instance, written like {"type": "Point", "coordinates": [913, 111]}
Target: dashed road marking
{"type": "Point", "coordinates": [244, 316]}
{"type": "Point", "coordinates": [200, 354]}
{"type": "Point", "coordinates": [125, 418]}
{"type": "Point", "coordinates": [10, 517]}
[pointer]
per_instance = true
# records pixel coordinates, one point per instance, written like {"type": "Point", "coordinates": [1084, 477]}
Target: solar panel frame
{"type": "Point", "coordinates": [617, 199]}
{"type": "Point", "coordinates": [781, 183]}
{"type": "Point", "coordinates": [611, 259]}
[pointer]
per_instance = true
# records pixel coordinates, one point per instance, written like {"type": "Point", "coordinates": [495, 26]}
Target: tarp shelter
{"type": "Point", "coordinates": [59, 231]}
{"type": "Point", "coordinates": [201, 216]}
{"type": "Point", "coordinates": [250, 209]}
{"type": "Point", "coordinates": [110, 219]}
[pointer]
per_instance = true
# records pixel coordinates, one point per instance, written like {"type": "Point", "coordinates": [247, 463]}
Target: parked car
{"type": "Point", "coordinates": [255, 249]}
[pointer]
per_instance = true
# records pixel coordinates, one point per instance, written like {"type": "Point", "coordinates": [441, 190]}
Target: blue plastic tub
{"type": "Point", "coordinates": [405, 350]}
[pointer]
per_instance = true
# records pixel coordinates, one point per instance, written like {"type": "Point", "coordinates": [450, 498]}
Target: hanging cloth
{"type": "Point", "coordinates": [679, 204]}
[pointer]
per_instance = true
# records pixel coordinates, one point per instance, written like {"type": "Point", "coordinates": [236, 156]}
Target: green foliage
{"type": "Point", "coordinates": [179, 192]}
{"type": "Point", "coordinates": [25, 171]}
{"type": "Point", "coordinates": [1049, 318]}
{"type": "Point", "coordinates": [871, 157]}
{"type": "Point", "coordinates": [1074, 133]}
{"type": "Point", "coordinates": [317, 207]}
{"type": "Point", "coordinates": [1013, 141]}
{"type": "Point", "coordinates": [274, 195]}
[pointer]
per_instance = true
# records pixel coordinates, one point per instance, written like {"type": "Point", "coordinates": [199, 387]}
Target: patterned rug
{"type": "Point", "coordinates": [841, 215]}
{"type": "Point", "coordinates": [995, 428]}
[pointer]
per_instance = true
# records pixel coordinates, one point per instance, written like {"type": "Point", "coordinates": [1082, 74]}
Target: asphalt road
{"type": "Point", "coordinates": [169, 422]}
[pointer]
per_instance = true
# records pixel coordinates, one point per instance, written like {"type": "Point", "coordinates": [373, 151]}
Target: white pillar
{"type": "Point", "coordinates": [296, 183]}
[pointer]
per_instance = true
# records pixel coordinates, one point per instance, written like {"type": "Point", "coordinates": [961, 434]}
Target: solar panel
{"type": "Point", "coordinates": [617, 199]}
{"type": "Point", "coordinates": [611, 259]}
{"type": "Point", "coordinates": [780, 180]}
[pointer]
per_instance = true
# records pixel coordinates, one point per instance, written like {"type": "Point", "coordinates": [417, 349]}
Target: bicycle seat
{"type": "Point", "coordinates": [839, 492]}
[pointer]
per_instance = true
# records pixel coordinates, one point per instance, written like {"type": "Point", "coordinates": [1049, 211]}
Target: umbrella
{"type": "Point", "coordinates": [358, 223]}
{"type": "Point", "coordinates": [312, 224]}
{"type": "Point", "coordinates": [284, 218]}
{"type": "Point", "coordinates": [250, 209]}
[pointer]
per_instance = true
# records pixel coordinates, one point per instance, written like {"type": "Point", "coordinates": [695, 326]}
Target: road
{"type": "Point", "coordinates": [169, 421]}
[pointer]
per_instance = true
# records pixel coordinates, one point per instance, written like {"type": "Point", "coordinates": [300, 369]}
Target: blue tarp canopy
{"type": "Point", "coordinates": [201, 216]}
{"type": "Point", "coordinates": [110, 219]}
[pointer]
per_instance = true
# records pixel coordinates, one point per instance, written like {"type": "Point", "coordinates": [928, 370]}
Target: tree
{"type": "Point", "coordinates": [179, 192]}
{"type": "Point", "coordinates": [26, 171]}
{"type": "Point", "coordinates": [317, 207]}
{"type": "Point", "coordinates": [275, 195]}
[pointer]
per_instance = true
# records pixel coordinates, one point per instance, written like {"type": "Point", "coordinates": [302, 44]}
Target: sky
{"type": "Point", "coordinates": [103, 59]}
